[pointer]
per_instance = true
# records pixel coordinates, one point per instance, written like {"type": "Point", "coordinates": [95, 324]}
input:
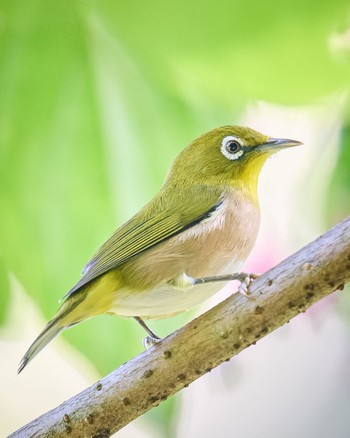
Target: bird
{"type": "Point", "coordinates": [189, 240]}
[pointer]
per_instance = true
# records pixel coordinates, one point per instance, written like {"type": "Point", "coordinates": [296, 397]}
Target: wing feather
{"type": "Point", "coordinates": [152, 225]}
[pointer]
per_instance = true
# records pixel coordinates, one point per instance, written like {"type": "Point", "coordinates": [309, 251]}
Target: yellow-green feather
{"type": "Point", "coordinates": [170, 212]}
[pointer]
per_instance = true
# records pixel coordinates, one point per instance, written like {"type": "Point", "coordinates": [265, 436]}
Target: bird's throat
{"type": "Point", "coordinates": [250, 175]}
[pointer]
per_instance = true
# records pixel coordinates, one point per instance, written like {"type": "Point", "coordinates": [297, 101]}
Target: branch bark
{"type": "Point", "coordinates": [288, 289]}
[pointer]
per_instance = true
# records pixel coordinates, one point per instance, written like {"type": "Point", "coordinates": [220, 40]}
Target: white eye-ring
{"type": "Point", "coordinates": [231, 147]}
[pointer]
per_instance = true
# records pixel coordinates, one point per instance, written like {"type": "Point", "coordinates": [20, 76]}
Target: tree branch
{"type": "Point", "coordinates": [277, 296]}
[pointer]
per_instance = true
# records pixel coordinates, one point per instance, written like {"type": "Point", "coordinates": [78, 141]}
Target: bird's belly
{"type": "Point", "coordinates": [166, 300]}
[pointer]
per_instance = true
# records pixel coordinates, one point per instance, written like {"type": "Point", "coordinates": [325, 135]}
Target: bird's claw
{"type": "Point", "coordinates": [243, 288]}
{"type": "Point", "coordinates": [149, 341]}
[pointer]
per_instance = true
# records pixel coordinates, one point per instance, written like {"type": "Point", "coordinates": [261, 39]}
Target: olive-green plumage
{"type": "Point", "coordinates": [202, 223]}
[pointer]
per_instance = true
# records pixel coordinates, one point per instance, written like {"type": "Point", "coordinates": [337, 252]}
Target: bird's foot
{"type": "Point", "coordinates": [149, 342]}
{"type": "Point", "coordinates": [243, 288]}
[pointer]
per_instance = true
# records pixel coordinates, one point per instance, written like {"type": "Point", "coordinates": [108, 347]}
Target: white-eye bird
{"type": "Point", "coordinates": [201, 224]}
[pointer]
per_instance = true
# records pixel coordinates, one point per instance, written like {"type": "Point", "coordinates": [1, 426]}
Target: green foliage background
{"type": "Point", "coordinates": [97, 97]}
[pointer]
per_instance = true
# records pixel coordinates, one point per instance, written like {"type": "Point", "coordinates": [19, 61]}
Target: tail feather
{"type": "Point", "coordinates": [52, 329]}
{"type": "Point", "coordinates": [77, 307]}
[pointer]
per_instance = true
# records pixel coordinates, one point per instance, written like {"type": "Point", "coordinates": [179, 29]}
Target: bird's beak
{"type": "Point", "coordinates": [274, 144]}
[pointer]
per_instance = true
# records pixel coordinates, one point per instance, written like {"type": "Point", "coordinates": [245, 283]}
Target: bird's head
{"type": "Point", "coordinates": [227, 156]}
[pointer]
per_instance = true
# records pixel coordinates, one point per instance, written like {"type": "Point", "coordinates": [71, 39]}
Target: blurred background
{"type": "Point", "coordinates": [96, 99]}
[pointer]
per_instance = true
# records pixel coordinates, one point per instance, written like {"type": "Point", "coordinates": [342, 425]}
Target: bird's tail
{"type": "Point", "coordinates": [65, 317]}
{"type": "Point", "coordinates": [52, 329]}
{"type": "Point", "coordinates": [93, 299]}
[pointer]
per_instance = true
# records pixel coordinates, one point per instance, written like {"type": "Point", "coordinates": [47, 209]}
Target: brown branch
{"type": "Point", "coordinates": [145, 381]}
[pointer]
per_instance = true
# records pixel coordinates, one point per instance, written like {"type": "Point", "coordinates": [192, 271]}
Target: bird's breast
{"type": "Point", "coordinates": [223, 240]}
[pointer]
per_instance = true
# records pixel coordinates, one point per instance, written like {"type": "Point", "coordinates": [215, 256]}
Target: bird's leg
{"type": "Point", "coordinates": [152, 338]}
{"type": "Point", "coordinates": [145, 327]}
{"type": "Point", "coordinates": [244, 278]}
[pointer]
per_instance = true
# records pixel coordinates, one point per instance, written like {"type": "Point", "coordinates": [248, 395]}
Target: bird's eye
{"type": "Point", "coordinates": [231, 147]}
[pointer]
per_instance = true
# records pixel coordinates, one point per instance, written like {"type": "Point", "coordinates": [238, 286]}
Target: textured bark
{"type": "Point", "coordinates": [277, 296]}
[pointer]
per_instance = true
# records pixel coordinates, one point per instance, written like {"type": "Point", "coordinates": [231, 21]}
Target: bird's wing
{"type": "Point", "coordinates": [155, 223]}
